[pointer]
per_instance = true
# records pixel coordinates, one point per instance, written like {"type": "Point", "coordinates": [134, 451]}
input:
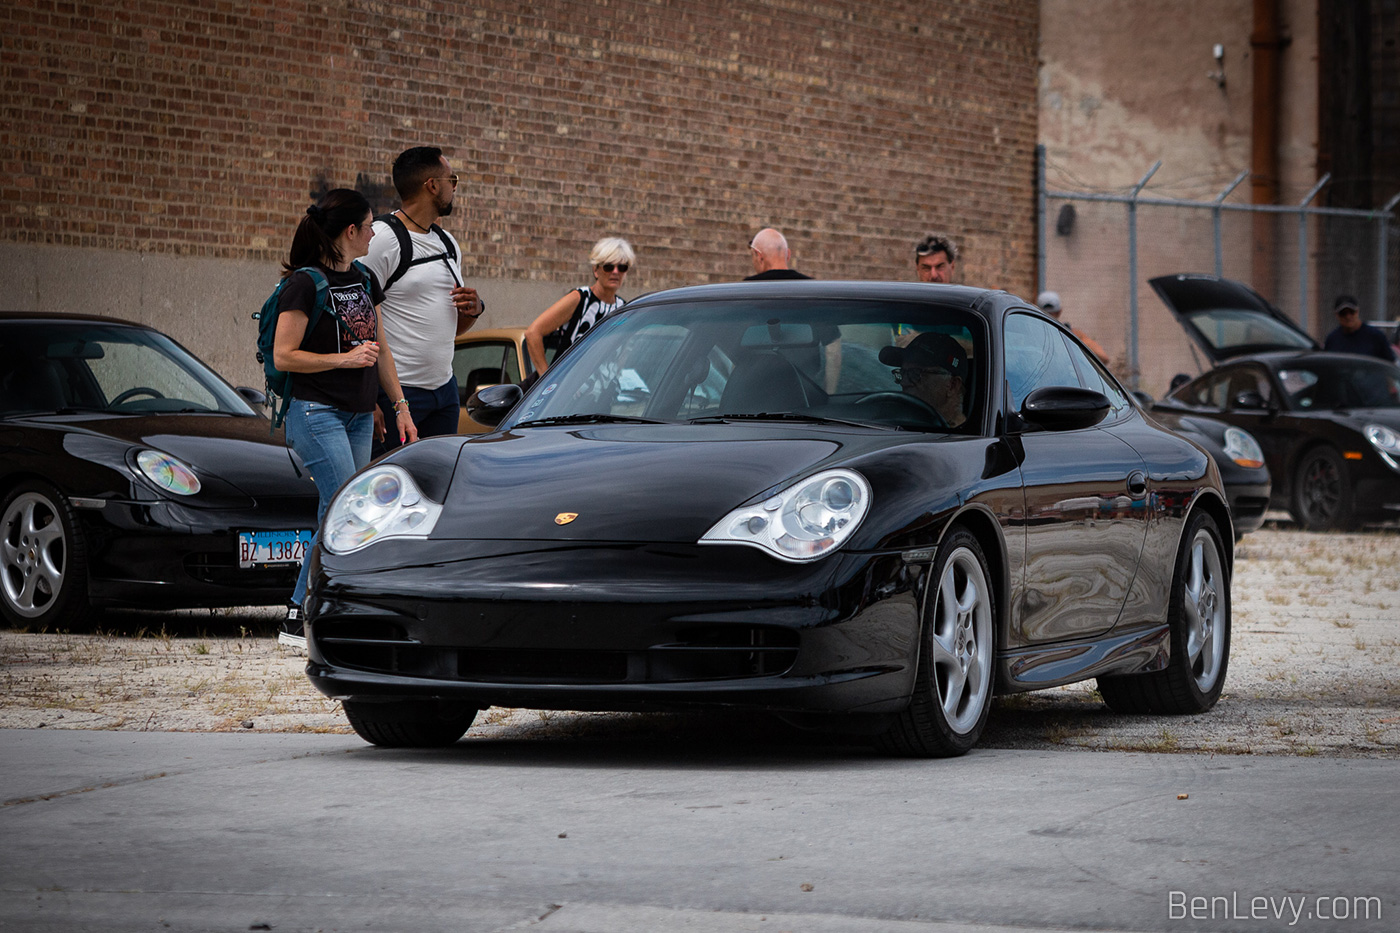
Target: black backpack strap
{"type": "Point", "coordinates": [405, 247]}
{"type": "Point", "coordinates": [447, 243]}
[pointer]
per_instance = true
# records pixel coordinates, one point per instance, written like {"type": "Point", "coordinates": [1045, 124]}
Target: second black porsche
{"type": "Point", "coordinates": [871, 505]}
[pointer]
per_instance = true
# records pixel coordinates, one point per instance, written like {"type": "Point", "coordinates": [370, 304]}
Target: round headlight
{"type": "Point", "coordinates": [167, 472]}
{"type": "Point", "coordinates": [802, 523]}
{"type": "Point", "coordinates": [1387, 443]}
{"type": "Point", "coordinates": [1241, 447]}
{"type": "Point", "coordinates": [382, 502]}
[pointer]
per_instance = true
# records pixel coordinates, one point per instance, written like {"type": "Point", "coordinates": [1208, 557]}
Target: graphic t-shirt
{"type": "Point", "coordinates": [352, 321]}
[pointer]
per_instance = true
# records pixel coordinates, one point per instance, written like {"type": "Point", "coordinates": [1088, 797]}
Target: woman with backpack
{"type": "Point", "coordinates": [574, 315]}
{"type": "Point", "coordinates": [328, 336]}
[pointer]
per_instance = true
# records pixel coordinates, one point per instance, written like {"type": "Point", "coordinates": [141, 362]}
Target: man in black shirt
{"type": "Point", "coordinates": [770, 254]}
{"type": "Point", "coordinates": [1353, 336]}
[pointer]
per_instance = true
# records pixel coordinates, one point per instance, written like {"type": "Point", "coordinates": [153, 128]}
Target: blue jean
{"type": "Point", "coordinates": [434, 411]}
{"type": "Point", "coordinates": [333, 445]}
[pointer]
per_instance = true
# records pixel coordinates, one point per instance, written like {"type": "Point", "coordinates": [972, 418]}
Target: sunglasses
{"type": "Point", "coordinates": [451, 178]}
{"type": "Point", "coordinates": [619, 266]}
{"type": "Point", "coordinates": [915, 374]}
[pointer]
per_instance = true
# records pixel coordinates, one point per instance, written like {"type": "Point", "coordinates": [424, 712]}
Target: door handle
{"type": "Point", "coordinates": [1137, 484]}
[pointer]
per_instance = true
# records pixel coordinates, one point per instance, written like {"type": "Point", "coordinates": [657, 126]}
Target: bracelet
{"type": "Point", "coordinates": [403, 402]}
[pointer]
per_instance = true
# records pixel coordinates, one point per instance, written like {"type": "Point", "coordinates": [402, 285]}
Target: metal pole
{"type": "Point", "coordinates": [1215, 214]}
{"type": "Point", "coordinates": [1303, 249]}
{"type": "Point", "coordinates": [1133, 274]}
{"type": "Point", "coordinates": [1383, 244]}
{"type": "Point", "coordinates": [1043, 206]}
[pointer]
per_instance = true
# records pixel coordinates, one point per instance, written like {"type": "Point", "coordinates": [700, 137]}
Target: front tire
{"type": "Point", "coordinates": [953, 683]}
{"type": "Point", "coordinates": [1322, 492]}
{"type": "Point", "coordinates": [1199, 616]}
{"type": "Point", "coordinates": [43, 560]}
{"type": "Point", "coordinates": [409, 723]}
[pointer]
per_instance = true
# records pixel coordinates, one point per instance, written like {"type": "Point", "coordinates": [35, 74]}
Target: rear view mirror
{"type": "Point", "coordinates": [489, 406]}
{"type": "Point", "coordinates": [778, 336]}
{"type": "Point", "coordinates": [1251, 400]}
{"type": "Point", "coordinates": [75, 350]}
{"type": "Point", "coordinates": [1063, 408]}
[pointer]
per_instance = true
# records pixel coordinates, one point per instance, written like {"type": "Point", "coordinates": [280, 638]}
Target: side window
{"type": "Point", "coordinates": [1093, 376]}
{"type": "Point", "coordinates": [1218, 392]}
{"type": "Point", "coordinates": [1036, 356]}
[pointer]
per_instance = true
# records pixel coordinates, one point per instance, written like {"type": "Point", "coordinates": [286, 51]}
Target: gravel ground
{"type": "Point", "coordinates": [1312, 672]}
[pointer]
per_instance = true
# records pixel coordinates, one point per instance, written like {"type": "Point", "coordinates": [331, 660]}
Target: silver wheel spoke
{"type": "Point", "coordinates": [954, 685]}
{"type": "Point", "coordinates": [944, 654]}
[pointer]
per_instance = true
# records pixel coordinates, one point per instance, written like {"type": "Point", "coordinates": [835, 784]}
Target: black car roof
{"type": "Point", "coordinates": [1277, 358]}
{"type": "Point", "coordinates": [960, 296]}
{"type": "Point", "coordinates": [43, 317]}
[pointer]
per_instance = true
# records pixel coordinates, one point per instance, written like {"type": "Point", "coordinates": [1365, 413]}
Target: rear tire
{"type": "Point", "coordinates": [953, 683]}
{"type": "Point", "coordinates": [1199, 616]}
{"type": "Point", "coordinates": [409, 724]}
{"type": "Point", "coordinates": [1322, 491]}
{"type": "Point", "coordinates": [43, 560]}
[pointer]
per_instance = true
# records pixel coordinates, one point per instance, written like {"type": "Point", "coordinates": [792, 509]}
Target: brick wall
{"type": "Point", "coordinates": [200, 128]}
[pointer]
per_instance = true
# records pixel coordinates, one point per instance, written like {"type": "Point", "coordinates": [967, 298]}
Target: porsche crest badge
{"type": "Point", "coordinates": [563, 518]}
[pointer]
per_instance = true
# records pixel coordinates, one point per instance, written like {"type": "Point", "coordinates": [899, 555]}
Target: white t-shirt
{"type": "Point", "coordinates": [419, 319]}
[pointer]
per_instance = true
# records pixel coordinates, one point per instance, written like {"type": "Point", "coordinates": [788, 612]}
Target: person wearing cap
{"type": "Point", "coordinates": [1352, 335]}
{"type": "Point", "coordinates": [1049, 302]}
{"type": "Point", "coordinates": [933, 369]}
{"type": "Point", "coordinates": [934, 259]}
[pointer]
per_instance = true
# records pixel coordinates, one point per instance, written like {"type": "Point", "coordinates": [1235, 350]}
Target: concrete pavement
{"type": "Point", "coordinates": [119, 831]}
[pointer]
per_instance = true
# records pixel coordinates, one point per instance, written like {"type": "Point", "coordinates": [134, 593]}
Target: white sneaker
{"type": "Point", "coordinates": [290, 632]}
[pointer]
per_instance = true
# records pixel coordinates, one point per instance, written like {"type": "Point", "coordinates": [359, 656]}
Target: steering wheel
{"type": "Point", "coordinates": [924, 409]}
{"type": "Point", "coordinates": [132, 393]}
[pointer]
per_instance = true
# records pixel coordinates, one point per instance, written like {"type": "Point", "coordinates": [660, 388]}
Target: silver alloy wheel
{"type": "Point", "coordinates": [1204, 609]}
{"type": "Point", "coordinates": [33, 554]}
{"type": "Point", "coordinates": [962, 641]}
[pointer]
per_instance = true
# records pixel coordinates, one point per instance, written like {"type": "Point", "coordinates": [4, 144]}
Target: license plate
{"type": "Point", "coordinates": [258, 548]}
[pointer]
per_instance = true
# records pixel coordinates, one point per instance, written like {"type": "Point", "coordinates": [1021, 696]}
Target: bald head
{"type": "Point", "coordinates": [770, 250]}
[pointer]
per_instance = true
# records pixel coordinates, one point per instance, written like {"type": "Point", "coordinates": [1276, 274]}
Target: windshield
{"type": "Point", "coordinates": [774, 359]}
{"type": "Point", "coordinates": [1324, 386]}
{"type": "Point", "coordinates": [61, 366]}
{"type": "Point", "coordinates": [1245, 331]}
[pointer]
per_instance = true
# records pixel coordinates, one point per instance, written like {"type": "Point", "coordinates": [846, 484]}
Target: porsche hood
{"type": "Point", "coordinates": [618, 483]}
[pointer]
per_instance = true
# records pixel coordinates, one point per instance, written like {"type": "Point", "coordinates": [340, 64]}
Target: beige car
{"type": "Point", "coordinates": [487, 358]}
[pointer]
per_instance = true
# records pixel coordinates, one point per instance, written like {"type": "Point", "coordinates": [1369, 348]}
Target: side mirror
{"type": "Point", "coordinates": [1063, 408]}
{"type": "Point", "coordinates": [1252, 400]}
{"type": "Point", "coordinates": [251, 395]}
{"type": "Point", "coordinates": [489, 406]}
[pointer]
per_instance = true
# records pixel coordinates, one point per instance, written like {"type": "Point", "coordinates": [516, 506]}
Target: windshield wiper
{"type": "Point", "coordinates": [792, 416]}
{"type": "Point", "coordinates": [597, 418]}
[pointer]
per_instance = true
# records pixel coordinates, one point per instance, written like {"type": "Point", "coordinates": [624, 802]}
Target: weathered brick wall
{"type": "Point", "coordinates": [200, 127]}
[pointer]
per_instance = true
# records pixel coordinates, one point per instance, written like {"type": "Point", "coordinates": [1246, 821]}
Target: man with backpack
{"type": "Point", "coordinates": [425, 303]}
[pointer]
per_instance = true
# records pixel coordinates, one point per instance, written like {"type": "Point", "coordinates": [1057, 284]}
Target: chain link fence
{"type": "Point", "coordinates": [1099, 251]}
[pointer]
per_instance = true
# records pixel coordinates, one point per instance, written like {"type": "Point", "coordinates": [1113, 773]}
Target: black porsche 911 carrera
{"type": "Point", "coordinates": [1328, 423]}
{"type": "Point", "coordinates": [868, 506]}
{"type": "Point", "coordinates": [131, 474]}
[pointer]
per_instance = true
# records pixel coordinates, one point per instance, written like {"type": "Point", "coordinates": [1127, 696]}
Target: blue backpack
{"type": "Point", "coordinates": [279, 383]}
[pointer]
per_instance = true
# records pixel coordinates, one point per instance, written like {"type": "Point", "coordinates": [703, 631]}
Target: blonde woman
{"type": "Point", "coordinates": [574, 315]}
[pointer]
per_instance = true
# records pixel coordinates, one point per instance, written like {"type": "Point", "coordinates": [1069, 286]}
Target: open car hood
{"type": "Point", "coordinates": [1227, 318]}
